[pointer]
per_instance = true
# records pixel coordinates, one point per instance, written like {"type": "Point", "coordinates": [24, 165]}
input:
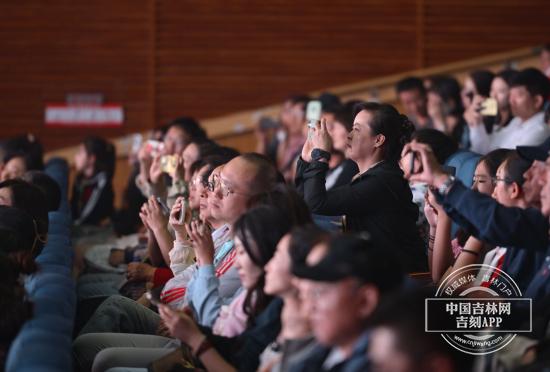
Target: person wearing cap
{"type": "Point", "coordinates": [346, 279]}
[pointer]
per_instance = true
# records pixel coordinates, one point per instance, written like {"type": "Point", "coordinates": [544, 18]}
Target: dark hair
{"type": "Point", "coordinates": [190, 126]}
{"type": "Point", "coordinates": [302, 241]}
{"type": "Point", "coordinates": [508, 75]}
{"type": "Point", "coordinates": [494, 159]}
{"type": "Point", "coordinates": [27, 147]}
{"type": "Point", "coordinates": [259, 230]}
{"type": "Point", "coordinates": [386, 120]}
{"type": "Point", "coordinates": [104, 152]}
{"type": "Point", "coordinates": [442, 145]}
{"type": "Point", "coordinates": [330, 103]}
{"type": "Point", "coordinates": [536, 83]}
{"type": "Point", "coordinates": [345, 115]}
{"type": "Point", "coordinates": [515, 166]}
{"type": "Point", "coordinates": [410, 83]}
{"type": "Point", "coordinates": [410, 336]}
{"type": "Point", "coordinates": [448, 89]}
{"type": "Point", "coordinates": [299, 98]}
{"type": "Point", "coordinates": [287, 199]}
{"type": "Point", "coordinates": [30, 199]}
{"type": "Point", "coordinates": [482, 81]}
{"type": "Point", "coordinates": [266, 174]}
{"type": "Point", "coordinates": [48, 185]}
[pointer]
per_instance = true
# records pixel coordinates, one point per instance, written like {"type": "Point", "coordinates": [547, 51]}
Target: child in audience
{"type": "Point", "coordinates": [92, 197]}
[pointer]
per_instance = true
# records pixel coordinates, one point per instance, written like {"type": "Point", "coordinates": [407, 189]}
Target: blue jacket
{"type": "Point", "coordinates": [523, 231]}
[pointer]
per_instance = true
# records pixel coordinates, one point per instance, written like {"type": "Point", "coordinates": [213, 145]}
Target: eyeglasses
{"type": "Point", "coordinates": [217, 181]}
{"type": "Point", "coordinates": [481, 179]}
{"type": "Point", "coordinates": [498, 179]}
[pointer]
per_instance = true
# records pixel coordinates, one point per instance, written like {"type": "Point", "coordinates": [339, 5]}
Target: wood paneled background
{"type": "Point", "coordinates": [205, 58]}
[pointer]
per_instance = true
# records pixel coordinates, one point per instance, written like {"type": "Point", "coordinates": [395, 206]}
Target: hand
{"type": "Point", "coordinates": [430, 212]}
{"type": "Point", "coordinates": [308, 147]}
{"type": "Point", "coordinates": [430, 171]}
{"type": "Point", "coordinates": [144, 215]}
{"type": "Point", "coordinates": [321, 138]}
{"type": "Point", "coordinates": [472, 116]}
{"type": "Point", "coordinates": [154, 217]}
{"type": "Point", "coordinates": [181, 326]}
{"type": "Point", "coordinates": [174, 220]}
{"type": "Point", "coordinates": [139, 271]}
{"type": "Point", "coordinates": [202, 242]}
{"type": "Point", "coordinates": [155, 172]}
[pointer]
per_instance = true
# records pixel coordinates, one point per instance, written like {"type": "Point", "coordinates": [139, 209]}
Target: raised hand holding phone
{"type": "Point", "coordinates": [203, 244]}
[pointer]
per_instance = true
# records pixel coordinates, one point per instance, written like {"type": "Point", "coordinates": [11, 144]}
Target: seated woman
{"type": "Point", "coordinates": [20, 154]}
{"type": "Point", "coordinates": [443, 250]}
{"type": "Point", "coordinates": [378, 200]}
{"type": "Point", "coordinates": [92, 196]}
{"type": "Point", "coordinates": [519, 263]}
{"type": "Point", "coordinates": [256, 236]}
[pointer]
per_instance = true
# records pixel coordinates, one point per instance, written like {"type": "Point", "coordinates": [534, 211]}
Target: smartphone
{"type": "Point", "coordinates": [449, 170]}
{"type": "Point", "coordinates": [153, 298]}
{"type": "Point", "coordinates": [163, 206]}
{"type": "Point", "coordinates": [313, 113]}
{"type": "Point", "coordinates": [153, 147]}
{"type": "Point", "coordinates": [489, 107]}
{"type": "Point", "coordinates": [168, 163]}
{"type": "Point", "coordinates": [185, 212]}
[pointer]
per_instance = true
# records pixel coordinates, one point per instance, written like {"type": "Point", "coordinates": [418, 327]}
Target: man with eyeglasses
{"type": "Point", "coordinates": [234, 188]}
{"type": "Point", "coordinates": [345, 281]}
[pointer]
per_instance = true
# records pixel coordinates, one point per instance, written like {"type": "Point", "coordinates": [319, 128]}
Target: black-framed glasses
{"type": "Point", "coordinates": [217, 181]}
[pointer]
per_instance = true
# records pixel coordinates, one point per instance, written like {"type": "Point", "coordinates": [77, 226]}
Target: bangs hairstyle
{"type": "Point", "coordinates": [260, 230]}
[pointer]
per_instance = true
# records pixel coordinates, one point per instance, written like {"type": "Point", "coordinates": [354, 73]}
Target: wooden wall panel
{"type": "Point", "coordinates": [216, 57]}
{"type": "Point", "coordinates": [461, 29]}
{"type": "Point", "coordinates": [51, 48]}
{"type": "Point", "coordinates": [164, 58]}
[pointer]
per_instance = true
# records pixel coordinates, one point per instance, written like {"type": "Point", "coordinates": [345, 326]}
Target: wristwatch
{"type": "Point", "coordinates": [442, 190]}
{"type": "Point", "coordinates": [318, 154]}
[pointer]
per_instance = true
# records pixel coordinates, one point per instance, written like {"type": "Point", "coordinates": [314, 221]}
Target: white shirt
{"type": "Point", "coordinates": [531, 132]}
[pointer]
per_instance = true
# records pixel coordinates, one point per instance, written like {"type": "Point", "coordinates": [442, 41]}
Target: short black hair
{"type": "Point", "coordinates": [386, 120]}
{"type": "Point", "coordinates": [104, 152]}
{"type": "Point", "coordinates": [507, 75]}
{"type": "Point", "coordinates": [190, 126]}
{"type": "Point", "coordinates": [48, 185]}
{"type": "Point", "coordinates": [28, 147]}
{"type": "Point", "coordinates": [410, 83]}
{"type": "Point", "coordinates": [482, 80]}
{"type": "Point", "coordinates": [536, 83]}
{"type": "Point", "coordinates": [441, 144]}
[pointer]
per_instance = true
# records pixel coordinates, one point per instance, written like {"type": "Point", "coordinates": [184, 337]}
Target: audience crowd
{"type": "Point", "coordinates": [314, 253]}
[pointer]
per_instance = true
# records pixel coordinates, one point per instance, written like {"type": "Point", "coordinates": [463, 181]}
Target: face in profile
{"type": "Point", "coordinates": [278, 278]}
{"type": "Point", "coordinates": [483, 182]}
{"type": "Point", "coordinates": [14, 168]}
{"type": "Point", "coordinates": [361, 140]}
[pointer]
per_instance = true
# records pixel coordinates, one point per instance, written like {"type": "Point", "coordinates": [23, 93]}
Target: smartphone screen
{"type": "Point", "coordinates": [313, 113]}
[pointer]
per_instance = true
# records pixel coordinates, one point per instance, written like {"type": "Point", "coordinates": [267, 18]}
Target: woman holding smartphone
{"type": "Point", "coordinates": [378, 200]}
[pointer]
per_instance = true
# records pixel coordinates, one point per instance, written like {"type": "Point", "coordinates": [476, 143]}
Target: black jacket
{"type": "Point", "coordinates": [378, 201]}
